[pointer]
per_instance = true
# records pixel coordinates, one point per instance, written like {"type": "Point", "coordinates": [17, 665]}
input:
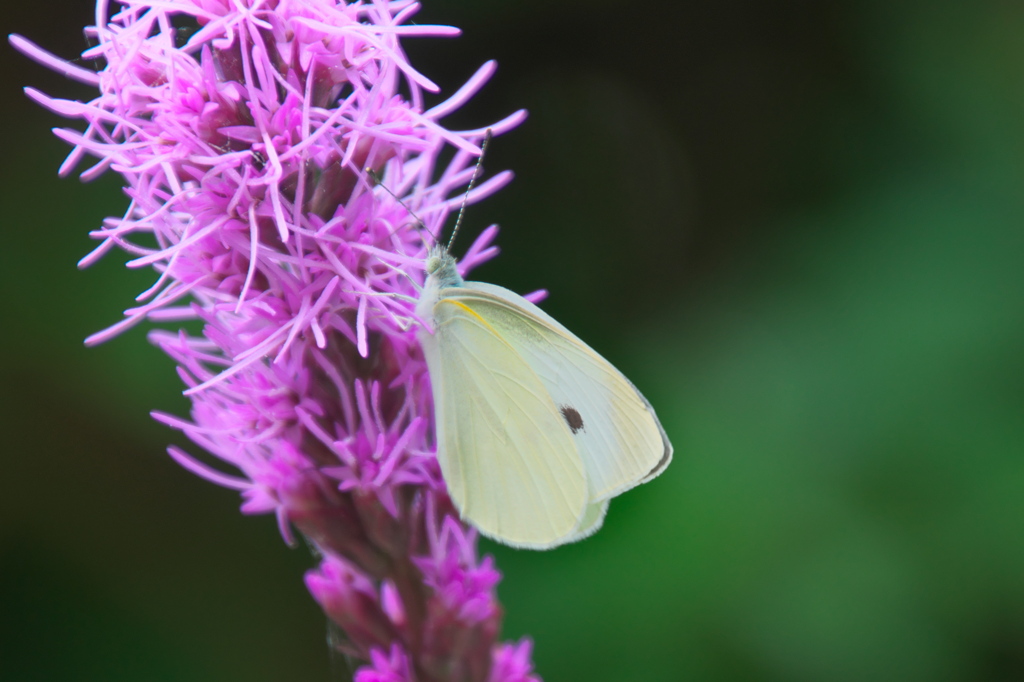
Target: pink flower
{"type": "Point", "coordinates": [394, 667]}
{"type": "Point", "coordinates": [512, 663]}
{"type": "Point", "coordinates": [244, 130]}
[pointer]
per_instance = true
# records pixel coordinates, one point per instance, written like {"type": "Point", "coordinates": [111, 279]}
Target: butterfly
{"type": "Point", "coordinates": [536, 432]}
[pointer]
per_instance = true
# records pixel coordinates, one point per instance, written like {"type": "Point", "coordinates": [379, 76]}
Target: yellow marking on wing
{"type": "Point", "coordinates": [471, 312]}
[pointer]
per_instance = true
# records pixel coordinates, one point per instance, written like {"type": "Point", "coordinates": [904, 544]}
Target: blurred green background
{"type": "Point", "coordinates": [797, 226]}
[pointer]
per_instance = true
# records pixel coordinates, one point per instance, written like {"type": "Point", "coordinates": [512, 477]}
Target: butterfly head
{"type": "Point", "coordinates": [442, 273]}
{"type": "Point", "coordinates": [441, 268]}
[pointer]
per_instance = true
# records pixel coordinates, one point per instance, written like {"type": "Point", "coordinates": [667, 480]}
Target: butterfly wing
{"type": "Point", "coordinates": [509, 461]}
{"type": "Point", "coordinates": [591, 522]}
{"type": "Point", "coordinates": [616, 432]}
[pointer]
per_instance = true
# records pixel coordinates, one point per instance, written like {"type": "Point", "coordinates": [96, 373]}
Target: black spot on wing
{"type": "Point", "coordinates": [572, 418]}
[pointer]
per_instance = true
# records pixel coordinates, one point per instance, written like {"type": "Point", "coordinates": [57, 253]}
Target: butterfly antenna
{"type": "Point", "coordinates": [472, 180]}
{"type": "Point", "coordinates": [377, 182]}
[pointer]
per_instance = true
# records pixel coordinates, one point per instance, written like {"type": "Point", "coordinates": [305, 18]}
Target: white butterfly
{"type": "Point", "coordinates": [535, 431]}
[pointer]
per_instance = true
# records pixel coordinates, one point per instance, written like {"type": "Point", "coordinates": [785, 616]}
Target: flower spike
{"type": "Point", "coordinates": [250, 143]}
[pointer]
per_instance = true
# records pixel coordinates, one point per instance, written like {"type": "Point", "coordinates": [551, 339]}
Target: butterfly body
{"type": "Point", "coordinates": [535, 431]}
